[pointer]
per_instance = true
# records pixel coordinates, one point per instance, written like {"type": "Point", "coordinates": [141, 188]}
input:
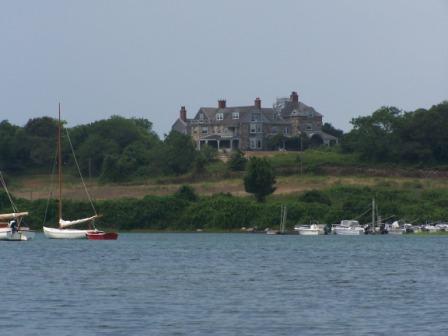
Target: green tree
{"type": "Point", "coordinates": [330, 129]}
{"type": "Point", "coordinates": [376, 137]}
{"type": "Point", "coordinates": [187, 193]}
{"type": "Point", "coordinates": [179, 153]}
{"type": "Point", "coordinates": [237, 161]}
{"type": "Point", "coordinates": [259, 179]}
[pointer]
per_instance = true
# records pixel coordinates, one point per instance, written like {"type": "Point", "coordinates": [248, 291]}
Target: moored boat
{"type": "Point", "coordinates": [101, 235]}
{"type": "Point", "coordinates": [309, 230]}
{"type": "Point", "coordinates": [56, 233]}
{"type": "Point", "coordinates": [63, 231]}
{"type": "Point", "coordinates": [13, 230]}
{"type": "Point", "coordinates": [348, 228]}
{"type": "Point", "coordinates": [11, 227]}
{"type": "Point", "coordinates": [395, 229]}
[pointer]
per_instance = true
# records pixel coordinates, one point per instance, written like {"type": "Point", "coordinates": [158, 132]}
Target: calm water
{"type": "Point", "coordinates": [225, 284]}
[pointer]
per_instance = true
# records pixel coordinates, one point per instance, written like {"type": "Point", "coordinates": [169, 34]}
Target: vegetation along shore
{"type": "Point", "coordinates": [140, 182]}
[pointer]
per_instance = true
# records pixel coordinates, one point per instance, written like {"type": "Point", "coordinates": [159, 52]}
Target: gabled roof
{"type": "Point", "coordinates": [288, 109]}
{"type": "Point", "coordinates": [268, 115]}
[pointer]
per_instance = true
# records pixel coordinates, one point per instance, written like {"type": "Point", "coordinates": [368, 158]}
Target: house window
{"type": "Point", "coordinates": [256, 128]}
{"type": "Point", "coordinates": [235, 115]}
{"type": "Point", "coordinates": [219, 116]}
{"type": "Point", "coordinates": [258, 143]}
{"type": "Point", "coordinates": [201, 116]}
{"type": "Point", "coordinates": [253, 128]}
{"type": "Point", "coordinates": [252, 143]}
{"type": "Point", "coordinates": [274, 129]}
{"type": "Point", "coordinates": [309, 127]}
{"type": "Point", "coordinates": [204, 130]}
{"type": "Point", "coordinates": [256, 117]}
{"type": "Point", "coordinates": [286, 131]}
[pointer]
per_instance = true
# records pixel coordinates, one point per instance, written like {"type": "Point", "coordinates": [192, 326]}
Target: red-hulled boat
{"type": "Point", "coordinates": [101, 235]}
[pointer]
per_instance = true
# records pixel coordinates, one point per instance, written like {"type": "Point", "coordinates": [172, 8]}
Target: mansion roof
{"type": "Point", "coordinates": [245, 115]}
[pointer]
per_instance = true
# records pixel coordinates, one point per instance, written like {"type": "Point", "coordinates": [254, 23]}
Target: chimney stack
{"type": "Point", "coordinates": [183, 113]}
{"type": "Point", "coordinates": [258, 103]}
{"type": "Point", "coordinates": [221, 103]}
{"type": "Point", "coordinates": [294, 97]}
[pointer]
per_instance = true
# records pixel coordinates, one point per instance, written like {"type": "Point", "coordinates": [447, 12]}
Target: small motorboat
{"type": "Point", "coordinates": [101, 235]}
{"type": "Point", "coordinates": [309, 230]}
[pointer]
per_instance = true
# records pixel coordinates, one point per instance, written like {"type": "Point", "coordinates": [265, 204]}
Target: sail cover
{"type": "Point", "coordinates": [13, 215]}
{"type": "Point", "coordinates": [64, 223]}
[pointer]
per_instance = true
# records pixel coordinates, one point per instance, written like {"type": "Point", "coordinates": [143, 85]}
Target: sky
{"type": "Point", "coordinates": [146, 58]}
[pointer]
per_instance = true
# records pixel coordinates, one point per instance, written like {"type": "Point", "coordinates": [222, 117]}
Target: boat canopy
{"type": "Point", "coordinates": [13, 215]}
{"type": "Point", "coordinates": [64, 223]}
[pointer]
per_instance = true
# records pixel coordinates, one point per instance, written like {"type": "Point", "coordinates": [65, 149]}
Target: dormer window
{"type": "Point", "coordinates": [201, 116]}
{"type": "Point", "coordinates": [235, 115]}
{"type": "Point", "coordinates": [219, 116]}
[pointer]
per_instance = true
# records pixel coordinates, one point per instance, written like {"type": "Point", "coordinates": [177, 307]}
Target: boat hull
{"type": "Point", "coordinates": [102, 235]}
{"type": "Point", "coordinates": [308, 232]}
{"type": "Point", "coordinates": [348, 231]}
{"type": "Point", "coordinates": [53, 233]}
{"type": "Point", "coordinates": [20, 235]}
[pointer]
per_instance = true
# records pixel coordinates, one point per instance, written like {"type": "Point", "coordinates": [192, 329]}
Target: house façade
{"type": "Point", "coordinates": [249, 127]}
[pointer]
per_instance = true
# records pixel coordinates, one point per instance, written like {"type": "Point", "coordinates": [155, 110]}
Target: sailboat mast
{"type": "Point", "coordinates": [59, 168]}
{"type": "Point", "coordinates": [373, 215]}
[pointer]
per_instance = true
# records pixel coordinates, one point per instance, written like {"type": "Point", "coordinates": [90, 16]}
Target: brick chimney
{"type": "Point", "coordinates": [294, 97]}
{"type": "Point", "coordinates": [258, 103]}
{"type": "Point", "coordinates": [222, 103]}
{"type": "Point", "coordinates": [183, 113]}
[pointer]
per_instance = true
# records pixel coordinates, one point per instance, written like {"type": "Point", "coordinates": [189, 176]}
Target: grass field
{"type": "Point", "coordinates": [319, 169]}
{"type": "Point", "coordinates": [38, 187]}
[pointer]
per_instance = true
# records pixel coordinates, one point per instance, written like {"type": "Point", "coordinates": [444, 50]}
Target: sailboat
{"type": "Point", "coordinates": [11, 223]}
{"type": "Point", "coordinates": [64, 231]}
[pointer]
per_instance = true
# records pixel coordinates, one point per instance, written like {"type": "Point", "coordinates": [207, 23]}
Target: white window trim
{"type": "Point", "coordinates": [219, 116]}
{"type": "Point", "coordinates": [253, 143]}
{"type": "Point", "coordinates": [235, 115]}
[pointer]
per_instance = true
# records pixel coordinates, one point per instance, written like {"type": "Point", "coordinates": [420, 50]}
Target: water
{"type": "Point", "coordinates": [225, 284]}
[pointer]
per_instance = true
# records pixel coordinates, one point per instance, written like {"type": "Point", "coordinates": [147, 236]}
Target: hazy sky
{"type": "Point", "coordinates": [146, 58]}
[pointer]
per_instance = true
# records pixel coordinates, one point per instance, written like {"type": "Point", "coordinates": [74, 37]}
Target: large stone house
{"type": "Point", "coordinates": [249, 127]}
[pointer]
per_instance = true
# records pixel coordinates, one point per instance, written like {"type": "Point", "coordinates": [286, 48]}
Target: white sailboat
{"type": "Point", "coordinates": [11, 223]}
{"type": "Point", "coordinates": [64, 231]}
{"type": "Point", "coordinates": [16, 231]}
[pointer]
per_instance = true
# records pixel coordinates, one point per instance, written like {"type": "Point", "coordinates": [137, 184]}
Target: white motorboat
{"type": "Point", "coordinates": [395, 229]}
{"type": "Point", "coordinates": [431, 228]}
{"type": "Point", "coordinates": [308, 230]}
{"type": "Point", "coordinates": [348, 228]}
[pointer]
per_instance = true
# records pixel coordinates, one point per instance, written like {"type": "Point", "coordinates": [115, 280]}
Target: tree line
{"type": "Point", "coordinates": [394, 136]}
{"type": "Point", "coordinates": [119, 149]}
{"type": "Point", "coordinates": [114, 149]}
